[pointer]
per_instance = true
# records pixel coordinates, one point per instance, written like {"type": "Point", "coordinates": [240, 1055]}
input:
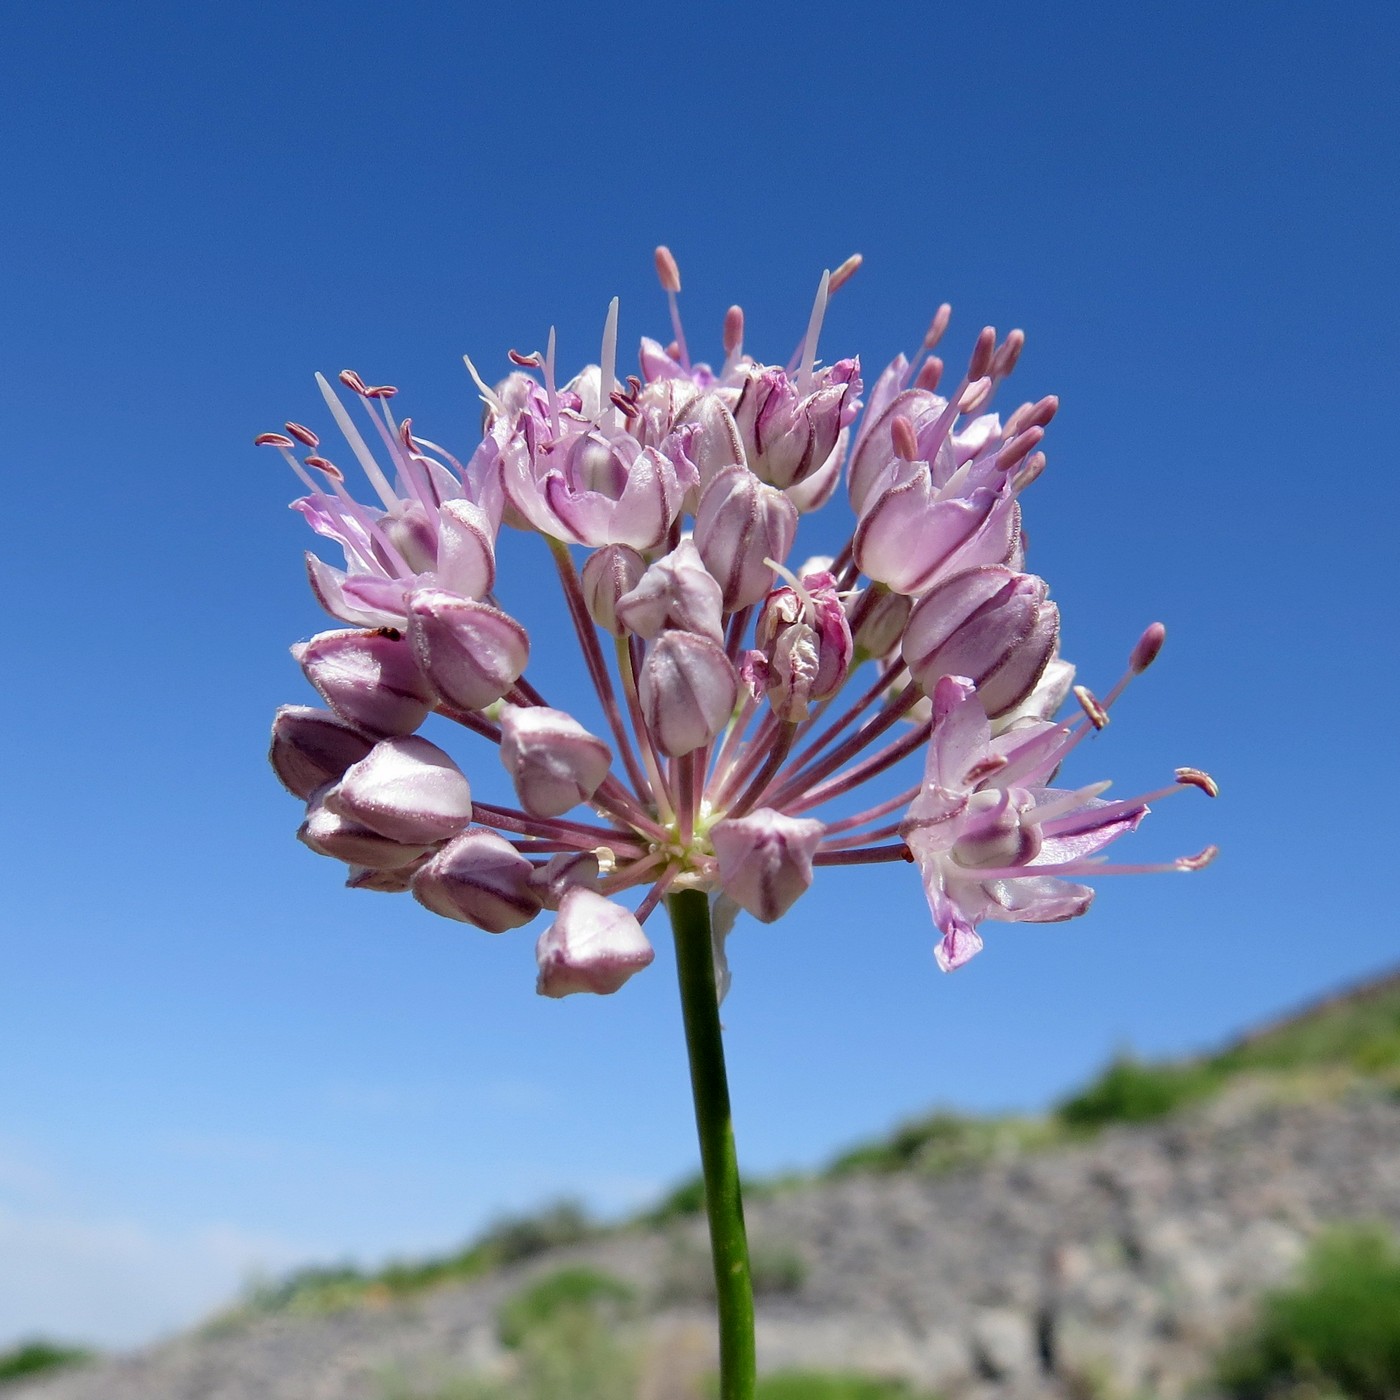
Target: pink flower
{"type": "Point", "coordinates": [757, 724]}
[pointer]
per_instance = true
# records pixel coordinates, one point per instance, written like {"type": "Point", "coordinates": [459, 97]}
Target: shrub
{"type": "Point", "coordinates": [550, 1299]}
{"type": "Point", "coordinates": [29, 1358]}
{"type": "Point", "coordinates": [1337, 1329]}
{"type": "Point", "coordinates": [1129, 1091]}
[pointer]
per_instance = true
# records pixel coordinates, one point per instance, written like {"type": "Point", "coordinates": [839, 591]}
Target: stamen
{"type": "Point", "coordinates": [982, 352]}
{"type": "Point", "coordinates": [1019, 448]}
{"type": "Point", "coordinates": [549, 384]}
{"type": "Point", "coordinates": [273, 440]}
{"type": "Point", "coordinates": [938, 325]}
{"type": "Point", "coordinates": [326, 468]}
{"type": "Point", "coordinates": [303, 435]}
{"type": "Point", "coordinates": [1198, 778]}
{"type": "Point", "coordinates": [930, 372]}
{"type": "Point", "coordinates": [358, 446]}
{"type": "Point", "coordinates": [530, 361]}
{"type": "Point", "coordinates": [488, 394]}
{"type": "Point", "coordinates": [844, 273]}
{"type": "Point", "coordinates": [1034, 465]}
{"type": "Point", "coordinates": [814, 327]}
{"type": "Point", "coordinates": [667, 269]}
{"type": "Point", "coordinates": [1005, 359]}
{"type": "Point", "coordinates": [906, 444]}
{"type": "Point", "coordinates": [1088, 702]}
{"type": "Point", "coordinates": [1067, 802]}
{"type": "Point", "coordinates": [733, 332]}
{"type": "Point", "coordinates": [1148, 647]}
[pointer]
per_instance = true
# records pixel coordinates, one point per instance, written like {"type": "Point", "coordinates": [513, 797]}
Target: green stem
{"type": "Point", "coordinates": [695, 966]}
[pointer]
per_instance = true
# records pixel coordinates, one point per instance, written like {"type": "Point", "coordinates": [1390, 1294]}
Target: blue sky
{"type": "Point", "coordinates": [213, 1058]}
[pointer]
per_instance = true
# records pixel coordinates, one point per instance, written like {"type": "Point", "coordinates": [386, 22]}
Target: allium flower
{"type": "Point", "coordinates": [757, 721]}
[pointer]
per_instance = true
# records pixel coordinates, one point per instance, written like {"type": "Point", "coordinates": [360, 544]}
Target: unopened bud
{"type": "Point", "coordinates": [765, 860]}
{"type": "Point", "coordinates": [562, 872]}
{"type": "Point", "coordinates": [607, 575]}
{"type": "Point", "coordinates": [806, 642]}
{"type": "Point", "coordinates": [741, 525]}
{"type": "Point", "coordinates": [593, 946]}
{"type": "Point", "coordinates": [466, 550]}
{"type": "Point", "coordinates": [992, 625]}
{"type": "Point", "coordinates": [555, 762]}
{"type": "Point", "coordinates": [330, 833]}
{"type": "Point", "coordinates": [677, 591]}
{"type": "Point", "coordinates": [311, 748]}
{"type": "Point", "coordinates": [788, 435]}
{"type": "Point", "coordinates": [878, 619]}
{"type": "Point", "coordinates": [406, 789]}
{"type": "Point", "coordinates": [470, 652]}
{"type": "Point", "coordinates": [369, 678]}
{"type": "Point", "coordinates": [479, 878]}
{"type": "Point", "coordinates": [688, 690]}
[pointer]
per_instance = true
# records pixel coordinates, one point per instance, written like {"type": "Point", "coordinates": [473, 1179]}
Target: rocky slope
{"type": "Point", "coordinates": [1114, 1266]}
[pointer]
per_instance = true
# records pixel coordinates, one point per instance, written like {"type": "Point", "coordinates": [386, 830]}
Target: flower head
{"type": "Point", "coordinates": [755, 722]}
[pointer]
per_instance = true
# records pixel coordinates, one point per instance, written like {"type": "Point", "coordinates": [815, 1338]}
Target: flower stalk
{"type": "Point", "coordinates": [724, 1205]}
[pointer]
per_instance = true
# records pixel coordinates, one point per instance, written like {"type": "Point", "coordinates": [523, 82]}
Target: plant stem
{"type": "Point", "coordinates": [695, 966]}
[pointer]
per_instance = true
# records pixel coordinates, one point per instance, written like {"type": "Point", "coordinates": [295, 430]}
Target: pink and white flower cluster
{"type": "Point", "coordinates": [758, 718]}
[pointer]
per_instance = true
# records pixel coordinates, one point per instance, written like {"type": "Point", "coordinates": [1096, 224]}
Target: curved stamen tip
{"type": "Point", "coordinates": [326, 468]}
{"type": "Point", "coordinates": [1089, 703]}
{"type": "Point", "coordinates": [303, 434]}
{"type": "Point", "coordinates": [1199, 861]}
{"type": "Point", "coordinates": [1147, 648]}
{"type": "Point", "coordinates": [272, 440]}
{"type": "Point", "coordinates": [668, 270]}
{"type": "Point", "coordinates": [845, 272]}
{"type": "Point", "coordinates": [530, 361]}
{"type": "Point", "coordinates": [380, 391]}
{"type": "Point", "coordinates": [1198, 778]}
{"type": "Point", "coordinates": [353, 382]}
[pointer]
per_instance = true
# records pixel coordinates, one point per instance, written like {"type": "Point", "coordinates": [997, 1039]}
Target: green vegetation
{"type": "Point", "coordinates": [509, 1241]}
{"type": "Point", "coordinates": [1337, 1332]}
{"type": "Point", "coordinates": [944, 1141]}
{"type": "Point", "coordinates": [29, 1358]}
{"type": "Point", "coordinates": [542, 1304]}
{"type": "Point", "coordinates": [1129, 1091]}
{"type": "Point", "coordinates": [831, 1385]}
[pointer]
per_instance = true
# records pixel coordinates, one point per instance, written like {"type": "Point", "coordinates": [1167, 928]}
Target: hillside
{"type": "Point", "coordinates": [1110, 1245]}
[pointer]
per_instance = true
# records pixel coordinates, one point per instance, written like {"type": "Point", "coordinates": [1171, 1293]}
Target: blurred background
{"type": "Point", "coordinates": [214, 1060]}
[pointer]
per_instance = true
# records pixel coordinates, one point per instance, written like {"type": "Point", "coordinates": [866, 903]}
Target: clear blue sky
{"type": "Point", "coordinates": [211, 1056]}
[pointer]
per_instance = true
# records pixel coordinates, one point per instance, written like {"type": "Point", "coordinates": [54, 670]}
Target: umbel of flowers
{"type": "Point", "coordinates": [761, 715]}
{"type": "Point", "coordinates": [895, 700]}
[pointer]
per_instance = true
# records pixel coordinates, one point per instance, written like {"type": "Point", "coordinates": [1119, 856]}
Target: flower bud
{"type": "Point", "coordinates": [311, 748]}
{"type": "Point", "coordinates": [471, 653]}
{"type": "Point", "coordinates": [765, 860]}
{"type": "Point", "coordinates": [369, 678]}
{"type": "Point", "coordinates": [561, 873]}
{"type": "Point", "coordinates": [814, 491]}
{"type": "Point", "coordinates": [677, 591]}
{"type": "Point", "coordinates": [363, 877]}
{"type": "Point", "coordinates": [787, 435]}
{"type": "Point", "coordinates": [410, 531]}
{"type": "Point", "coordinates": [993, 626]}
{"type": "Point", "coordinates": [408, 790]}
{"type": "Point", "coordinates": [806, 641]}
{"type": "Point", "coordinates": [608, 573]}
{"type": "Point", "coordinates": [479, 878]}
{"type": "Point", "coordinates": [593, 946]}
{"type": "Point", "coordinates": [688, 690]}
{"type": "Point", "coordinates": [741, 523]}
{"type": "Point", "coordinates": [329, 833]}
{"type": "Point", "coordinates": [878, 617]}
{"type": "Point", "coordinates": [717, 443]}
{"type": "Point", "coordinates": [555, 762]}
